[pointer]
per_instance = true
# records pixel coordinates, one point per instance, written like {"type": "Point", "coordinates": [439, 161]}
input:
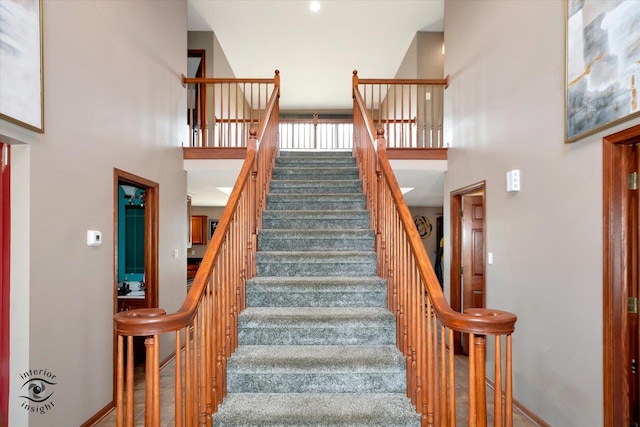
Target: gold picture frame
{"type": "Point", "coordinates": [602, 65]}
{"type": "Point", "coordinates": [21, 64]}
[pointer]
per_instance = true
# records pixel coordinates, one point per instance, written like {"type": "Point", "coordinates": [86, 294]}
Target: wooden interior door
{"type": "Point", "coordinates": [5, 231]}
{"type": "Point", "coordinates": [633, 356]}
{"type": "Point", "coordinates": [621, 250]}
{"type": "Point", "coordinates": [473, 280]}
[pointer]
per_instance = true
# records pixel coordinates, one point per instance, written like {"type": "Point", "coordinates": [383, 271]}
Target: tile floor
{"type": "Point", "coordinates": [167, 417]}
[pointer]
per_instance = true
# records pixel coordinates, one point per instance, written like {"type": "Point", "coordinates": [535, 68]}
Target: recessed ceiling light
{"type": "Point", "coordinates": [314, 6]}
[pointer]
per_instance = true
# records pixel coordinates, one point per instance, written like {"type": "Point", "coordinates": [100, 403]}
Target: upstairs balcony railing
{"type": "Point", "coordinates": [222, 111]}
{"type": "Point", "coordinates": [409, 110]}
{"type": "Point", "coordinates": [426, 324]}
{"type": "Point", "coordinates": [316, 133]}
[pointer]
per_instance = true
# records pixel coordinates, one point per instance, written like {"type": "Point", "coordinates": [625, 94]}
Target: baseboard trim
{"type": "Point", "coordinates": [533, 417]}
{"type": "Point", "coordinates": [112, 405]}
{"type": "Point", "coordinates": [99, 415]}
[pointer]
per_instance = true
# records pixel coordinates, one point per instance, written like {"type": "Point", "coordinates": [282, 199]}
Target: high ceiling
{"type": "Point", "coordinates": [316, 52]}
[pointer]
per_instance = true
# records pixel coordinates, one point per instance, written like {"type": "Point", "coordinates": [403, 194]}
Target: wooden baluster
{"type": "Point", "coordinates": [472, 383]}
{"type": "Point", "coordinates": [152, 380]}
{"type": "Point", "coordinates": [129, 387]}
{"type": "Point", "coordinates": [188, 395]}
{"type": "Point", "coordinates": [430, 408]}
{"type": "Point", "coordinates": [497, 385]}
{"type": "Point", "coordinates": [508, 388]}
{"type": "Point", "coordinates": [179, 410]}
{"type": "Point", "coordinates": [452, 381]}
{"type": "Point", "coordinates": [480, 343]}
{"type": "Point", "coordinates": [444, 401]}
{"type": "Point", "coordinates": [120, 391]}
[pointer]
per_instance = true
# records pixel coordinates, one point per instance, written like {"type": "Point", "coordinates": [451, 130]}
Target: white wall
{"type": "Point", "coordinates": [505, 110]}
{"type": "Point", "coordinates": [424, 59]}
{"type": "Point", "coordinates": [113, 99]}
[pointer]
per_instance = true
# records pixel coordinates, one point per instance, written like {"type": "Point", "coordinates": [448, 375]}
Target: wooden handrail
{"type": "Point", "coordinates": [205, 326]}
{"type": "Point", "coordinates": [425, 322]}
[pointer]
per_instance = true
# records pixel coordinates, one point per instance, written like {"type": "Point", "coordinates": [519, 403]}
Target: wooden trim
{"type": "Point", "coordinates": [532, 416]}
{"type": "Point", "coordinates": [455, 287]}
{"type": "Point", "coordinates": [443, 82]}
{"type": "Point", "coordinates": [615, 386]}
{"type": "Point", "coordinates": [5, 284]}
{"type": "Point", "coordinates": [220, 80]}
{"type": "Point", "coordinates": [417, 153]}
{"type": "Point", "coordinates": [99, 415]}
{"type": "Point", "coordinates": [212, 153]}
{"type": "Point", "coordinates": [152, 209]}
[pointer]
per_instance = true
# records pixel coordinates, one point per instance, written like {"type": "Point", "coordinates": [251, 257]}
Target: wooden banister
{"type": "Point", "coordinates": [204, 328]}
{"type": "Point", "coordinates": [411, 110]}
{"type": "Point", "coordinates": [426, 324]}
{"type": "Point", "coordinates": [222, 110]}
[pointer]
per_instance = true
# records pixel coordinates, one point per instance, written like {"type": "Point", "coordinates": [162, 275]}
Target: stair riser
{"type": "Point", "coordinates": [315, 154]}
{"type": "Point", "coordinates": [316, 269]}
{"type": "Point", "coordinates": [393, 382]}
{"type": "Point", "coordinates": [347, 335]}
{"type": "Point", "coordinates": [316, 299]}
{"type": "Point", "coordinates": [315, 223]}
{"type": "Point", "coordinates": [315, 206]}
{"type": "Point", "coordinates": [293, 244]}
{"type": "Point", "coordinates": [311, 174]}
{"type": "Point", "coordinates": [337, 161]}
{"type": "Point", "coordinates": [281, 187]}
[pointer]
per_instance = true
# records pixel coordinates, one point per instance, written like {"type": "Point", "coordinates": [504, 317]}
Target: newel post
{"type": "Point", "coordinates": [276, 81]}
{"type": "Point", "coordinates": [354, 81]}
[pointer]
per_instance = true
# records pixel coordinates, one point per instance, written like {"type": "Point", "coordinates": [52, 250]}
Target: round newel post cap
{"type": "Point", "coordinates": [253, 133]}
{"type": "Point", "coordinates": [380, 132]}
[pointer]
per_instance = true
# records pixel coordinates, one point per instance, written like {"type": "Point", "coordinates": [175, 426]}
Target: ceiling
{"type": "Point", "coordinates": [316, 54]}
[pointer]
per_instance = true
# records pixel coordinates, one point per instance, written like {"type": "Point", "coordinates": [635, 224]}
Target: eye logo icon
{"type": "Point", "coordinates": [37, 390]}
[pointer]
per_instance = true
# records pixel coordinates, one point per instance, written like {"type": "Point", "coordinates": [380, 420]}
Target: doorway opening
{"type": "Point", "coordinates": [197, 103]}
{"type": "Point", "coordinates": [467, 254]}
{"type": "Point", "coordinates": [135, 250]}
{"type": "Point", "coordinates": [621, 277]}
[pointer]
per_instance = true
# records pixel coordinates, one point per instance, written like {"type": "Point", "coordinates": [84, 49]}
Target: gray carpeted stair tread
{"type": "Point", "coordinates": [314, 326]}
{"type": "Point", "coordinates": [316, 341]}
{"type": "Point", "coordinates": [317, 153]}
{"type": "Point", "coordinates": [316, 263]}
{"type": "Point", "coordinates": [315, 240]}
{"type": "Point", "coordinates": [316, 369]}
{"type": "Point", "coordinates": [321, 409]}
{"type": "Point", "coordinates": [316, 292]}
{"type": "Point", "coordinates": [315, 317]}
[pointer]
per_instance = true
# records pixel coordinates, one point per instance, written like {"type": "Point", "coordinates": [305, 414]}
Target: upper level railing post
{"type": "Point", "coordinates": [315, 130]}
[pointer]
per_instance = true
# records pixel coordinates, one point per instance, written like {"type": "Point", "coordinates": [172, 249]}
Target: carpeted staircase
{"type": "Point", "coordinates": [317, 344]}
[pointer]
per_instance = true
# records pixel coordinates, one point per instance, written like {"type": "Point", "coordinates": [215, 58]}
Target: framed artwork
{"type": "Point", "coordinates": [21, 74]}
{"type": "Point", "coordinates": [213, 224]}
{"type": "Point", "coordinates": [602, 65]}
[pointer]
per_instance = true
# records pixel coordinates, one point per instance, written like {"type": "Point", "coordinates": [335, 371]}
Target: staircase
{"type": "Point", "coordinates": [316, 342]}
